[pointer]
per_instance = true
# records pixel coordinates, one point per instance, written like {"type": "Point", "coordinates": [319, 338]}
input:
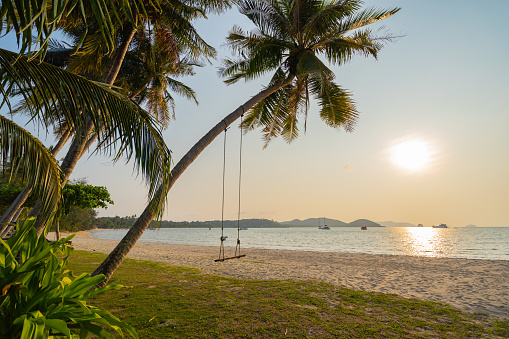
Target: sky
{"type": "Point", "coordinates": [430, 145]}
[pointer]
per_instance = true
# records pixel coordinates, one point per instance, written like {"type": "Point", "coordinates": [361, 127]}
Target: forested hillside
{"type": "Point", "coordinates": [127, 222]}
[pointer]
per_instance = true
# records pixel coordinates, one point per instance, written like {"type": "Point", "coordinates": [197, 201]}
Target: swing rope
{"type": "Point", "coordinates": [223, 238]}
{"type": "Point", "coordinates": [221, 247]}
{"type": "Point", "coordinates": [237, 248]}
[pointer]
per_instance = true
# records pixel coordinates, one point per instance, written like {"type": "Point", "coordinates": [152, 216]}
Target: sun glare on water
{"type": "Point", "coordinates": [412, 155]}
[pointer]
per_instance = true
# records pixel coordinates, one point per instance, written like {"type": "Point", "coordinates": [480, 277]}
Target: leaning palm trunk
{"type": "Point", "coordinates": [17, 204]}
{"type": "Point", "coordinates": [115, 258]}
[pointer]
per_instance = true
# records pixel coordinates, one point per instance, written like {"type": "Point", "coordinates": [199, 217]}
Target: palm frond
{"type": "Point", "coordinates": [272, 115]}
{"type": "Point", "coordinates": [212, 6]}
{"type": "Point", "coordinates": [24, 16]}
{"type": "Point", "coordinates": [366, 17]}
{"type": "Point", "coordinates": [177, 17]}
{"type": "Point", "coordinates": [260, 55]}
{"type": "Point", "coordinates": [328, 17]}
{"type": "Point", "coordinates": [341, 50]}
{"type": "Point", "coordinates": [337, 109]}
{"type": "Point", "coordinates": [20, 149]}
{"type": "Point", "coordinates": [267, 17]}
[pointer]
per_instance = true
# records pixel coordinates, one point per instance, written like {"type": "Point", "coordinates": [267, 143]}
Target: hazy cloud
{"type": "Point", "coordinates": [348, 167]}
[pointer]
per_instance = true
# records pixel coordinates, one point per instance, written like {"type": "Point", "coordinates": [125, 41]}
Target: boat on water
{"type": "Point", "coordinates": [243, 228]}
{"type": "Point", "coordinates": [324, 227]}
{"type": "Point", "coordinates": [364, 227]}
{"type": "Point", "coordinates": [440, 226]}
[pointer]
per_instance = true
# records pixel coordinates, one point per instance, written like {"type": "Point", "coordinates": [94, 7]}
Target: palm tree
{"type": "Point", "coordinates": [170, 15]}
{"type": "Point", "coordinates": [127, 128]}
{"type": "Point", "coordinates": [161, 16]}
{"type": "Point", "coordinates": [290, 39]}
{"type": "Point", "coordinates": [149, 76]}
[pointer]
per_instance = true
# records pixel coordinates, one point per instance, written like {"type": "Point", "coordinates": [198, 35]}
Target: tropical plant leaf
{"type": "Point", "coordinates": [41, 298]}
{"type": "Point", "coordinates": [21, 149]}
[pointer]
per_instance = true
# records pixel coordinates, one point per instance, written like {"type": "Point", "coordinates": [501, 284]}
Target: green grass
{"type": "Point", "coordinates": [163, 301]}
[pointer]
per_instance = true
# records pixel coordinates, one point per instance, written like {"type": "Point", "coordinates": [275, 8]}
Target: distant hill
{"type": "Point", "coordinates": [395, 224]}
{"type": "Point", "coordinates": [362, 222]}
{"type": "Point", "coordinates": [315, 222]}
{"type": "Point", "coordinates": [248, 223]}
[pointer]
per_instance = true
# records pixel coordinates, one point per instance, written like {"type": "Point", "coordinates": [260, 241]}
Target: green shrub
{"type": "Point", "coordinates": [39, 296]}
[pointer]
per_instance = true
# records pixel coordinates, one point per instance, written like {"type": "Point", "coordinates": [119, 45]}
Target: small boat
{"type": "Point", "coordinates": [324, 227]}
{"type": "Point", "coordinates": [243, 228]}
{"type": "Point", "coordinates": [440, 226]}
{"type": "Point", "coordinates": [364, 227]}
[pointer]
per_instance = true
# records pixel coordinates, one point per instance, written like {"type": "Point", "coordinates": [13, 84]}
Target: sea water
{"type": "Point", "coordinates": [472, 243]}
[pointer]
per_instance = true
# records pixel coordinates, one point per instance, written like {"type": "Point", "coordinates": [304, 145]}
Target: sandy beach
{"type": "Point", "coordinates": [471, 285]}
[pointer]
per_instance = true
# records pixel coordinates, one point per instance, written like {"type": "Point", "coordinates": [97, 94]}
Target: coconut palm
{"type": "Point", "coordinates": [128, 128]}
{"type": "Point", "coordinates": [169, 14]}
{"type": "Point", "coordinates": [149, 75]}
{"type": "Point", "coordinates": [291, 39]}
{"type": "Point", "coordinates": [181, 30]}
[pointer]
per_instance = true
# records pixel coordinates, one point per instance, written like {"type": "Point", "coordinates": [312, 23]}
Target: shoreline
{"type": "Point", "coordinates": [474, 285]}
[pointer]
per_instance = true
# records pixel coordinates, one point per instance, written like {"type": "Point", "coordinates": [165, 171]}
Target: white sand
{"type": "Point", "coordinates": [471, 285]}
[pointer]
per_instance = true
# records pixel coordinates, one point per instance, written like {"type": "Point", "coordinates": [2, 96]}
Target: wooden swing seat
{"type": "Point", "coordinates": [235, 257]}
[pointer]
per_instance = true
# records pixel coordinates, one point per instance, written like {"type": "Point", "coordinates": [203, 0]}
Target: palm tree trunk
{"type": "Point", "coordinates": [61, 143]}
{"type": "Point", "coordinates": [57, 230]}
{"type": "Point", "coordinates": [115, 258]}
{"type": "Point", "coordinates": [11, 225]}
{"type": "Point", "coordinates": [118, 59]}
{"type": "Point", "coordinates": [70, 160]}
{"type": "Point", "coordinates": [15, 206]}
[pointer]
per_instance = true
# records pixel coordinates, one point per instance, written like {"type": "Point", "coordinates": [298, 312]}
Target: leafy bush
{"type": "Point", "coordinates": [40, 298]}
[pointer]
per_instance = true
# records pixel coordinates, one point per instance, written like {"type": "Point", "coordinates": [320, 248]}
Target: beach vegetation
{"type": "Point", "coordinates": [40, 298]}
{"type": "Point", "coordinates": [165, 301]}
{"type": "Point", "coordinates": [79, 203]}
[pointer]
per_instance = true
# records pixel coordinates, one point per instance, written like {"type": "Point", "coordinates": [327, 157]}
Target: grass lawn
{"type": "Point", "coordinates": [163, 301]}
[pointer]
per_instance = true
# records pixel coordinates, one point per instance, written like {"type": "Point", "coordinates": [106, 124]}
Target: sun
{"type": "Point", "coordinates": [412, 155]}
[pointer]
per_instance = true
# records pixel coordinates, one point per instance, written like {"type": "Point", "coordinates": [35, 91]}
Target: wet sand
{"type": "Point", "coordinates": [472, 285]}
